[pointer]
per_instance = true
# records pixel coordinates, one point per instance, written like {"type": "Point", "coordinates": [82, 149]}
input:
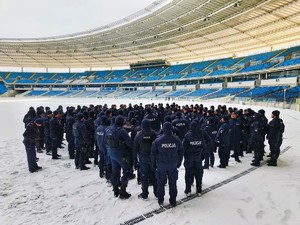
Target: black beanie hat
{"type": "Point", "coordinates": [178, 114]}
{"type": "Point", "coordinates": [104, 120]}
{"type": "Point", "coordinates": [276, 113]}
{"type": "Point", "coordinates": [39, 121]}
{"type": "Point", "coordinates": [168, 119]}
{"type": "Point", "coordinates": [80, 116]}
{"type": "Point", "coordinates": [193, 125]}
{"type": "Point", "coordinates": [119, 120]}
{"type": "Point", "coordinates": [167, 128]}
{"type": "Point", "coordinates": [146, 125]}
{"type": "Point", "coordinates": [225, 118]}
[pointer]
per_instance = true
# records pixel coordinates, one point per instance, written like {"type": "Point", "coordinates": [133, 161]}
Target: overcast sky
{"type": "Point", "coordinates": [45, 18]}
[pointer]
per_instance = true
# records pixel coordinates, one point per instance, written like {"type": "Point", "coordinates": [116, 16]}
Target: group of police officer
{"type": "Point", "coordinates": [153, 139]}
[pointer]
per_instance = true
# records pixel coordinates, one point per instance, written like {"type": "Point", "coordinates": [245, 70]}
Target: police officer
{"type": "Point", "coordinates": [223, 141]}
{"type": "Point", "coordinates": [193, 145]}
{"type": "Point", "coordinates": [120, 151]}
{"type": "Point", "coordinates": [235, 135]}
{"type": "Point", "coordinates": [142, 150]}
{"type": "Point", "coordinates": [210, 149]}
{"type": "Point", "coordinates": [54, 126]}
{"type": "Point", "coordinates": [41, 136]}
{"type": "Point", "coordinates": [257, 136]}
{"type": "Point", "coordinates": [155, 122]}
{"type": "Point", "coordinates": [47, 132]}
{"type": "Point", "coordinates": [70, 120]}
{"type": "Point", "coordinates": [275, 130]}
{"type": "Point", "coordinates": [81, 141]}
{"type": "Point", "coordinates": [100, 134]}
{"type": "Point", "coordinates": [181, 124]}
{"type": "Point", "coordinates": [30, 136]}
{"type": "Point", "coordinates": [166, 157]}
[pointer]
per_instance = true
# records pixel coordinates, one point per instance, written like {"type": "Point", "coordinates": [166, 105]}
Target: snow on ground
{"type": "Point", "coordinates": [59, 194]}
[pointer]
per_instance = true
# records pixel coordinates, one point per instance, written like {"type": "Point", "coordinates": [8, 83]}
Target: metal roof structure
{"type": "Point", "coordinates": [177, 31]}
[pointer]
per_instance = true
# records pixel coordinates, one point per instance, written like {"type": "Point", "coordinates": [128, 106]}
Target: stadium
{"type": "Point", "coordinates": [236, 52]}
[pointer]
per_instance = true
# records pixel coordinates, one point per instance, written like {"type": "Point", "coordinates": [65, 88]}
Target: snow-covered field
{"type": "Point", "coordinates": [59, 194]}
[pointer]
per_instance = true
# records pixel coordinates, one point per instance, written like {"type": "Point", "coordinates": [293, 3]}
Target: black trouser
{"type": "Point", "coordinates": [31, 157]}
{"type": "Point", "coordinates": [193, 170]}
{"type": "Point", "coordinates": [48, 144]}
{"type": "Point", "coordinates": [258, 147]}
{"type": "Point", "coordinates": [101, 162]}
{"type": "Point", "coordinates": [54, 146]}
{"type": "Point", "coordinates": [80, 155]}
{"type": "Point", "coordinates": [224, 155]}
{"type": "Point", "coordinates": [209, 155]}
{"type": "Point", "coordinates": [236, 147]}
{"type": "Point", "coordinates": [147, 174]}
{"type": "Point", "coordinates": [71, 148]}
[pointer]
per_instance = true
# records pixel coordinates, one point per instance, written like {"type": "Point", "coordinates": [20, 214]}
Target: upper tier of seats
{"type": "Point", "coordinates": [212, 68]}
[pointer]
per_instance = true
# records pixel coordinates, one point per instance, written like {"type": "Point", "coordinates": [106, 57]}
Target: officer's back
{"type": "Point", "coordinates": [167, 149]}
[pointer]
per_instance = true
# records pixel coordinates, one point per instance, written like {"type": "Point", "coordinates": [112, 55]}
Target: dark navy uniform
{"type": "Point", "coordinates": [102, 151]}
{"type": "Point", "coordinates": [81, 141]}
{"type": "Point", "coordinates": [30, 135]}
{"type": "Point", "coordinates": [210, 149]}
{"type": "Point", "coordinates": [54, 125]}
{"type": "Point", "coordinates": [154, 120]}
{"type": "Point", "coordinates": [142, 151]}
{"type": "Point", "coordinates": [69, 133]}
{"type": "Point", "coordinates": [166, 156]}
{"type": "Point", "coordinates": [236, 127]}
{"type": "Point", "coordinates": [181, 124]}
{"type": "Point", "coordinates": [257, 136]}
{"type": "Point", "coordinates": [275, 130]}
{"type": "Point", "coordinates": [193, 145]}
{"type": "Point", "coordinates": [48, 144]}
{"type": "Point", "coordinates": [119, 146]}
{"type": "Point", "coordinates": [223, 141]}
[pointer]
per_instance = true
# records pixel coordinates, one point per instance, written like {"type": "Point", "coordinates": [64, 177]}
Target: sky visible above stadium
{"type": "Point", "coordinates": [46, 18]}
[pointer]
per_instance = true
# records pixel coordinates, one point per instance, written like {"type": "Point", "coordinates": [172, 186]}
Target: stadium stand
{"type": "Point", "coordinates": [36, 93]}
{"type": "Point", "coordinates": [225, 92]}
{"type": "Point", "coordinates": [261, 91]}
{"type": "Point", "coordinates": [3, 89]}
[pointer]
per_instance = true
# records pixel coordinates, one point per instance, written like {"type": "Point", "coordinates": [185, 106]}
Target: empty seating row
{"type": "Point", "coordinates": [261, 91]}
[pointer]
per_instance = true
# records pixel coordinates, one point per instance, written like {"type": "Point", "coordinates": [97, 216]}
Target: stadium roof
{"type": "Point", "coordinates": [178, 31]}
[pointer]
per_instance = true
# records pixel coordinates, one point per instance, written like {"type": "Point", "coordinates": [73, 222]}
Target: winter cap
{"type": "Point", "coordinates": [119, 120]}
{"type": "Point", "coordinates": [80, 116]}
{"type": "Point", "coordinates": [256, 115]}
{"type": "Point", "coordinates": [70, 111]}
{"type": "Point", "coordinates": [193, 125]}
{"type": "Point", "coordinates": [104, 120]}
{"type": "Point", "coordinates": [55, 112]}
{"type": "Point", "coordinates": [211, 120]}
{"type": "Point", "coordinates": [225, 118]}
{"type": "Point", "coordinates": [133, 122]}
{"type": "Point", "coordinates": [32, 113]}
{"type": "Point", "coordinates": [39, 121]}
{"type": "Point", "coordinates": [178, 114]}
{"type": "Point", "coordinates": [262, 112]}
{"type": "Point", "coordinates": [276, 113]}
{"type": "Point", "coordinates": [149, 110]}
{"type": "Point", "coordinates": [146, 125]}
{"type": "Point", "coordinates": [168, 119]}
{"type": "Point", "coordinates": [167, 128]}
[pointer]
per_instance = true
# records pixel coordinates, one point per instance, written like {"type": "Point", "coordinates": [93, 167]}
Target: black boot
{"type": "Point", "coordinates": [124, 194]}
